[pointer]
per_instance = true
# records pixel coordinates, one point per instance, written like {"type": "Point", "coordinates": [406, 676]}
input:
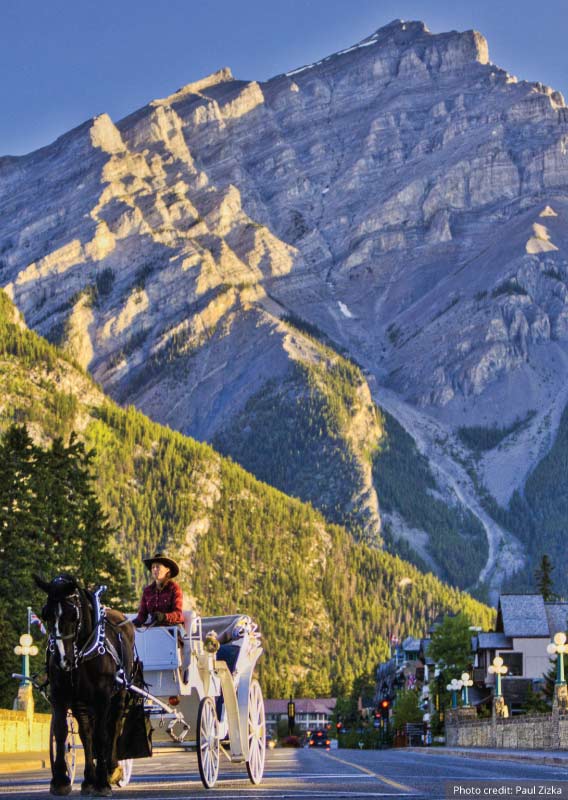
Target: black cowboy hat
{"type": "Point", "coordinates": [162, 559]}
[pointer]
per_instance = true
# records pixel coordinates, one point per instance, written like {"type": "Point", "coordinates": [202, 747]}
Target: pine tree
{"type": "Point", "coordinates": [450, 646]}
{"type": "Point", "coordinates": [544, 581]}
{"type": "Point", "coordinates": [50, 522]}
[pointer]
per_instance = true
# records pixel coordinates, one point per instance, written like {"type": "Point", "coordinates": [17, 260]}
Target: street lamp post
{"type": "Point", "coordinates": [26, 648]}
{"type": "Point", "coordinates": [497, 668]}
{"type": "Point", "coordinates": [24, 701]}
{"type": "Point", "coordinates": [466, 683]}
{"type": "Point", "coordinates": [454, 687]}
{"type": "Point", "coordinates": [559, 647]}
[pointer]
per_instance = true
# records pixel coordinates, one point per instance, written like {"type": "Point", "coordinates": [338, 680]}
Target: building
{"type": "Point", "coordinates": [310, 713]}
{"type": "Point", "coordinates": [525, 627]}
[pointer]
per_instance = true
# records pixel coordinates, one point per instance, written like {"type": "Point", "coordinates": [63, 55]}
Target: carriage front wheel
{"type": "Point", "coordinates": [208, 742]}
{"type": "Point", "coordinates": [256, 729]}
{"type": "Point", "coordinates": [71, 744]}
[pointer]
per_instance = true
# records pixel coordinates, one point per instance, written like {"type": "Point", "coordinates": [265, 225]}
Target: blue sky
{"type": "Point", "coordinates": [63, 61]}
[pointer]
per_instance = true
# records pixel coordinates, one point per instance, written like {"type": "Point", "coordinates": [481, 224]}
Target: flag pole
{"type": "Point", "coordinates": [29, 619]}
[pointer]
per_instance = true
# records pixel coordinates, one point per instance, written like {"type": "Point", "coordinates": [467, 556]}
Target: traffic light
{"type": "Point", "coordinates": [384, 708]}
{"type": "Point", "coordinates": [291, 716]}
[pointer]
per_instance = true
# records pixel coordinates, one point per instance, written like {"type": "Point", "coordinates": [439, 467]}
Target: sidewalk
{"type": "Point", "coordinates": [23, 762]}
{"type": "Point", "coordinates": [547, 757]}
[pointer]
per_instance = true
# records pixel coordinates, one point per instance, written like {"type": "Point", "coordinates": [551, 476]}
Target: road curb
{"type": "Point", "coordinates": [23, 765]}
{"type": "Point", "coordinates": [551, 760]}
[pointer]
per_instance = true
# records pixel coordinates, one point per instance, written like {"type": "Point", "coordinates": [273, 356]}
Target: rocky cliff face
{"type": "Point", "coordinates": [405, 196]}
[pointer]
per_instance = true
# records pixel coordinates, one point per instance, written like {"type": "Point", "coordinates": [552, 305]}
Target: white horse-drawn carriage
{"type": "Point", "coordinates": [202, 692]}
{"type": "Point", "coordinates": [199, 693]}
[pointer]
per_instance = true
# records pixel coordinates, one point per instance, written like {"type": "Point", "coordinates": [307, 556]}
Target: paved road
{"type": "Point", "coordinates": [305, 774]}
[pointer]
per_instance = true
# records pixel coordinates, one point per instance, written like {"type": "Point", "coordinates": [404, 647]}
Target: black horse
{"type": "Point", "coordinates": [89, 663]}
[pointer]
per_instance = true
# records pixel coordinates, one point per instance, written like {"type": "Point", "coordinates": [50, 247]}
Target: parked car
{"type": "Point", "coordinates": [318, 739]}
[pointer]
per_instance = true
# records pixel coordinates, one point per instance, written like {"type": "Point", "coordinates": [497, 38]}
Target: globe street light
{"type": "Point", "coordinates": [454, 687]}
{"type": "Point", "coordinates": [558, 647]}
{"type": "Point", "coordinates": [498, 668]}
{"type": "Point", "coordinates": [26, 648]}
{"type": "Point", "coordinates": [466, 682]}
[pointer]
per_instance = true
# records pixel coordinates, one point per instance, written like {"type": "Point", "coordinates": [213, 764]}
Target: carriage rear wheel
{"type": "Point", "coordinates": [256, 729]}
{"type": "Point", "coordinates": [71, 744]}
{"type": "Point", "coordinates": [208, 742]}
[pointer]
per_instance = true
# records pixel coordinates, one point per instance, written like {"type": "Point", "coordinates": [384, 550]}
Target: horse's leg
{"type": "Point", "coordinates": [102, 711]}
{"type": "Point", "coordinates": [60, 781]}
{"type": "Point", "coordinates": [85, 722]}
{"type": "Point", "coordinates": [114, 728]}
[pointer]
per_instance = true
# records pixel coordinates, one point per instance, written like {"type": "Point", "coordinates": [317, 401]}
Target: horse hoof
{"type": "Point", "coordinates": [104, 791]}
{"type": "Point", "coordinates": [87, 789]}
{"type": "Point", "coordinates": [60, 789]}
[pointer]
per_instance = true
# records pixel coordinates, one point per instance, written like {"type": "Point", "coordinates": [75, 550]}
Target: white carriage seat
{"type": "Point", "coordinates": [224, 627]}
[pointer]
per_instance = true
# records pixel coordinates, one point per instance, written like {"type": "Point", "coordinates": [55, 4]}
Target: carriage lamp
{"type": "Point", "coordinates": [26, 648]}
{"type": "Point", "coordinates": [466, 683]}
{"type": "Point", "coordinates": [454, 687]}
{"type": "Point", "coordinates": [497, 668]}
{"type": "Point", "coordinates": [558, 647]}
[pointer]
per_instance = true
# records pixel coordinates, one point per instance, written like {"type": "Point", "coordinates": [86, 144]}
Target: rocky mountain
{"type": "Point", "coordinates": [404, 199]}
{"type": "Point", "coordinates": [326, 605]}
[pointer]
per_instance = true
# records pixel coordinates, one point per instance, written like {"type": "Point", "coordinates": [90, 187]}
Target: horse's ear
{"type": "Point", "coordinates": [40, 583]}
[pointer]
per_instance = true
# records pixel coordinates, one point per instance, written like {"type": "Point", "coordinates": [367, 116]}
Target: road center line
{"type": "Point", "coordinates": [382, 778]}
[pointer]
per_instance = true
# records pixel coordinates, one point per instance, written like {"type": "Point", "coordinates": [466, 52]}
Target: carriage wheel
{"type": "Point", "coordinates": [208, 742]}
{"type": "Point", "coordinates": [71, 744]}
{"type": "Point", "coordinates": [256, 729]}
{"type": "Point", "coordinates": [126, 766]}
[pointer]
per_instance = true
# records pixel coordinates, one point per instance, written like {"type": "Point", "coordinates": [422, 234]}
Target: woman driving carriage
{"type": "Point", "coordinates": [162, 599]}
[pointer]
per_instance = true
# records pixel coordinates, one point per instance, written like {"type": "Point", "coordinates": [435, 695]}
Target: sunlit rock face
{"type": "Point", "coordinates": [405, 195]}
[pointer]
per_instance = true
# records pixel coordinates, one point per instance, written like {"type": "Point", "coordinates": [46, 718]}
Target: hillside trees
{"type": "Point", "coordinates": [50, 521]}
{"type": "Point", "coordinates": [406, 485]}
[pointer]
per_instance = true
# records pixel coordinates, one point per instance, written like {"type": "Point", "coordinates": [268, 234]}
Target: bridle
{"type": "Point", "coordinates": [56, 639]}
{"type": "Point", "coordinates": [97, 643]}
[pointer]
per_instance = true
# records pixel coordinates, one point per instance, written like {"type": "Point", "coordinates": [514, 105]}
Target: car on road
{"type": "Point", "coordinates": [318, 739]}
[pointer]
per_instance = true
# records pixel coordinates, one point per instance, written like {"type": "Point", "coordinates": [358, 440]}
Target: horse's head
{"type": "Point", "coordinates": [63, 616]}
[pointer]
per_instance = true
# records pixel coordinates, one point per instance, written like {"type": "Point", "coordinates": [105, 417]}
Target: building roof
{"type": "Point", "coordinates": [557, 615]}
{"type": "Point", "coordinates": [493, 641]}
{"type": "Point", "coordinates": [411, 645]}
{"type": "Point", "coordinates": [308, 705]}
{"type": "Point", "coordinates": [522, 615]}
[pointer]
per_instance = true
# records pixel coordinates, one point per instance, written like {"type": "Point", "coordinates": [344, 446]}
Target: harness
{"type": "Point", "coordinates": [98, 643]}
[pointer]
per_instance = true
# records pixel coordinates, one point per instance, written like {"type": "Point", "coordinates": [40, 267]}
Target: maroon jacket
{"type": "Point", "coordinates": [168, 600]}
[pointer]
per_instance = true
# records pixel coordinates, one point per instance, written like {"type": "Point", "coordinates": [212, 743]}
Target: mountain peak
{"type": "Point", "coordinates": [223, 75]}
{"type": "Point", "coordinates": [409, 26]}
{"type": "Point", "coordinates": [404, 32]}
{"type": "Point", "coordinates": [448, 50]}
